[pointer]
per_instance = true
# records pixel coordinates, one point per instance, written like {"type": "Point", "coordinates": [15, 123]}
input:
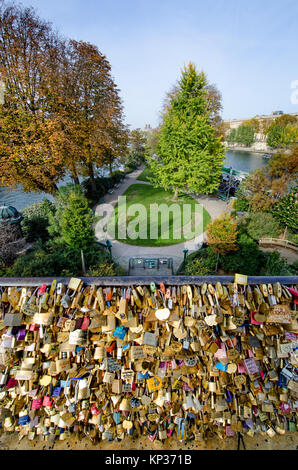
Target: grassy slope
{"type": "Point", "coordinates": [144, 175]}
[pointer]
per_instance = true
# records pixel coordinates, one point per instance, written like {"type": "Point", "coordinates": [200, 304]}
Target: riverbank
{"type": "Point", "coordinates": [268, 151]}
{"type": "Point", "coordinates": [245, 160]}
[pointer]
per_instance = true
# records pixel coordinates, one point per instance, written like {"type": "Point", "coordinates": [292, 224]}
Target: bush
{"type": "Point", "coordinates": [222, 234]}
{"type": "Point", "coordinates": [261, 224]}
{"type": "Point", "coordinates": [286, 211]}
{"type": "Point", "coordinates": [73, 222]}
{"type": "Point", "coordinates": [197, 268]}
{"type": "Point", "coordinates": [276, 266]}
{"type": "Point", "coordinates": [292, 237]}
{"type": "Point", "coordinates": [240, 205]}
{"type": "Point", "coordinates": [247, 260]}
{"type": "Point", "coordinates": [106, 270]}
{"type": "Point", "coordinates": [36, 220]}
{"type": "Point", "coordinates": [38, 263]}
{"type": "Point", "coordinates": [59, 260]}
{"type": "Point", "coordinates": [201, 263]}
{"type": "Point", "coordinates": [295, 267]}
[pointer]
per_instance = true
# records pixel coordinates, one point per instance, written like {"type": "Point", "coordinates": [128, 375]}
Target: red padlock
{"type": "Point", "coordinates": [111, 348]}
{"type": "Point", "coordinates": [42, 289]}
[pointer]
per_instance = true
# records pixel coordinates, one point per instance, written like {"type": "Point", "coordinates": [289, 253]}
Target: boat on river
{"type": "Point", "coordinates": [238, 174]}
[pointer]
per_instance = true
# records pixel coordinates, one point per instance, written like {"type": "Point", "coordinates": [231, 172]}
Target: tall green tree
{"type": "Point", "coordinates": [232, 136]}
{"type": "Point", "coordinates": [73, 222]}
{"type": "Point", "coordinates": [77, 223]}
{"type": "Point", "coordinates": [283, 131]}
{"type": "Point", "coordinates": [190, 155]}
{"type": "Point", "coordinates": [245, 135]}
{"type": "Point", "coordinates": [137, 149]}
{"type": "Point", "coordinates": [286, 211]}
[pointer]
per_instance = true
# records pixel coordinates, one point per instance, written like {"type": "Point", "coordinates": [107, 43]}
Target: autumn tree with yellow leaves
{"type": "Point", "coordinates": [222, 235]}
{"type": "Point", "coordinates": [61, 112]}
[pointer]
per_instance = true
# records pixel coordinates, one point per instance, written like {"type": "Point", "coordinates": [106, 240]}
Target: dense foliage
{"type": "Point", "coordinates": [283, 131]}
{"type": "Point", "coordinates": [286, 211]}
{"type": "Point", "coordinates": [77, 222]}
{"type": "Point", "coordinates": [243, 135]}
{"type": "Point", "coordinates": [240, 204]}
{"type": "Point", "coordinates": [249, 259]}
{"type": "Point", "coordinates": [62, 111]}
{"type": "Point", "coordinates": [275, 265]}
{"type": "Point", "coordinates": [102, 186]}
{"type": "Point", "coordinates": [189, 154]}
{"type": "Point", "coordinates": [52, 259]}
{"type": "Point", "coordinates": [267, 185]}
{"type": "Point", "coordinates": [64, 229]}
{"type": "Point", "coordinates": [261, 224]}
{"type": "Point", "coordinates": [36, 220]}
{"type": "Point", "coordinates": [222, 234]}
{"type": "Point", "coordinates": [137, 150]}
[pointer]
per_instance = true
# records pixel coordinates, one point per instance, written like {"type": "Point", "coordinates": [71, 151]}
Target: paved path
{"type": "Point", "coordinates": [122, 252]}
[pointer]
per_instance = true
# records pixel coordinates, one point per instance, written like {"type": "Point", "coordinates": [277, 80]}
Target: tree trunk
{"type": "Point", "coordinates": [111, 170]}
{"type": "Point", "coordinates": [74, 174]}
{"type": "Point", "coordinates": [92, 178]}
{"type": "Point", "coordinates": [176, 193]}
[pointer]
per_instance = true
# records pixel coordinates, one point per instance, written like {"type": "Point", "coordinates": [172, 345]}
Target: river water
{"type": "Point", "coordinates": [20, 199]}
{"type": "Point", "coordinates": [243, 161]}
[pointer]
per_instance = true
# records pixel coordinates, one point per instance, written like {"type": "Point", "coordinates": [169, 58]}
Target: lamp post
{"type": "Point", "coordinates": [109, 246]}
{"type": "Point", "coordinates": [185, 251]}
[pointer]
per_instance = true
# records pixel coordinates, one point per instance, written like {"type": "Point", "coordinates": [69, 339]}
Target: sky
{"type": "Point", "coordinates": [248, 49]}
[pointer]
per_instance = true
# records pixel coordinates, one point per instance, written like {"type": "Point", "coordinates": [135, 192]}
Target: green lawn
{"type": "Point", "coordinates": [144, 175]}
{"type": "Point", "coordinates": [144, 220]}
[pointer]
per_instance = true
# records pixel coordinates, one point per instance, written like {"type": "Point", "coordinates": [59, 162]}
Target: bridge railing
{"type": "Point", "coordinates": [278, 242]}
{"type": "Point", "coordinates": [146, 280]}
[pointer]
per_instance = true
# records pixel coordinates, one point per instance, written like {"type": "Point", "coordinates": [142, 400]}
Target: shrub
{"type": "Point", "coordinates": [201, 263]}
{"type": "Point", "coordinates": [240, 205]}
{"type": "Point", "coordinates": [73, 222]}
{"type": "Point", "coordinates": [38, 263]}
{"type": "Point", "coordinates": [36, 220]}
{"type": "Point", "coordinates": [106, 270]}
{"type": "Point", "coordinates": [103, 184]}
{"type": "Point", "coordinates": [232, 136]}
{"type": "Point", "coordinates": [295, 267]}
{"type": "Point", "coordinates": [222, 234]}
{"type": "Point", "coordinates": [197, 267]}
{"type": "Point", "coordinates": [247, 260]}
{"type": "Point", "coordinates": [53, 259]}
{"type": "Point", "coordinates": [261, 224]}
{"type": "Point", "coordinates": [62, 198]}
{"type": "Point", "coordinates": [276, 266]}
{"type": "Point", "coordinates": [286, 211]}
